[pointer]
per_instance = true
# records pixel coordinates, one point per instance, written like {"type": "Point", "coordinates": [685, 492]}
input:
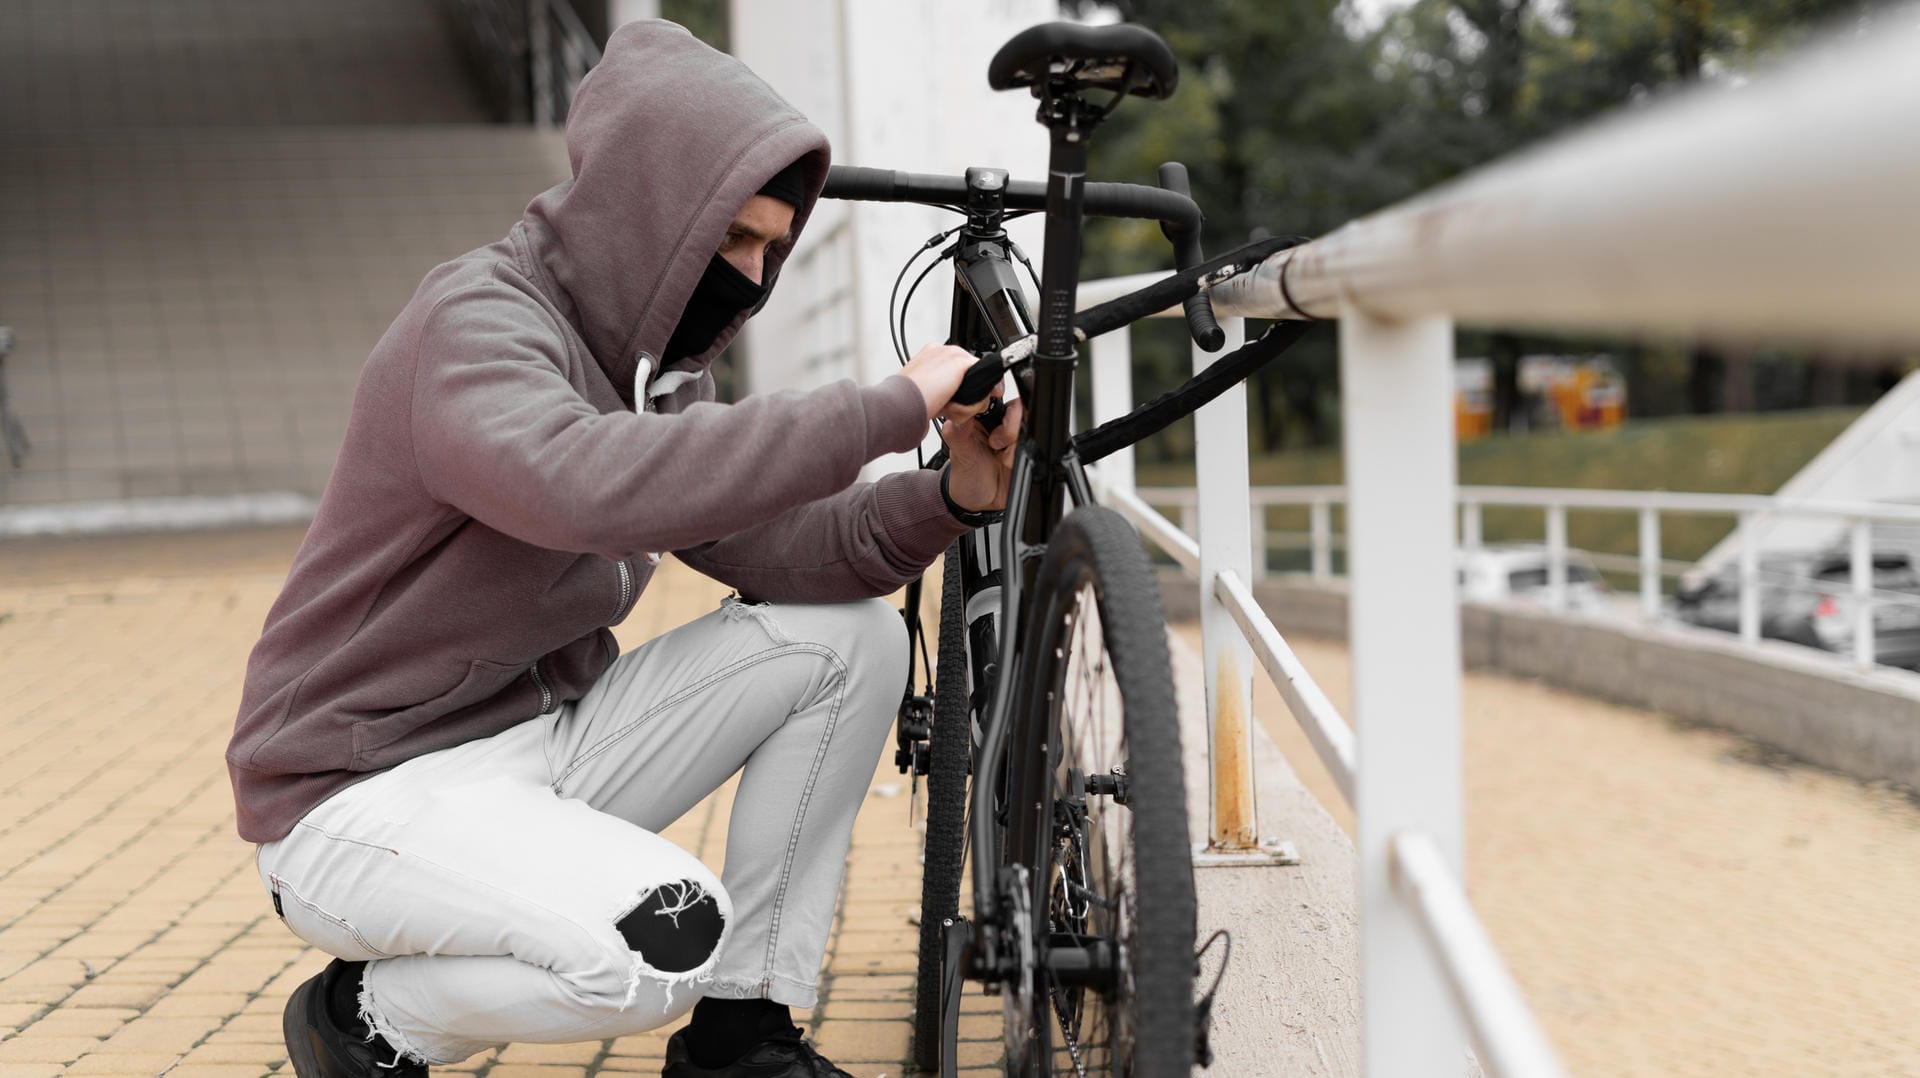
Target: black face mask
{"type": "Point", "coordinates": [723, 292]}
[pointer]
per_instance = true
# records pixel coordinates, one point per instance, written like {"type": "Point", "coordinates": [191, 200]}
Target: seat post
{"type": "Point", "coordinates": [1070, 120]}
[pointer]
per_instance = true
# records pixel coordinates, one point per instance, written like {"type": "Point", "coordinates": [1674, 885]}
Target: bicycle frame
{"type": "Point", "coordinates": [1045, 473]}
{"type": "Point", "coordinates": [1007, 942]}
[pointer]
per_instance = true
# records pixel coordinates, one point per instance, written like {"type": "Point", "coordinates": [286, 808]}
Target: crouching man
{"type": "Point", "coordinates": [456, 781]}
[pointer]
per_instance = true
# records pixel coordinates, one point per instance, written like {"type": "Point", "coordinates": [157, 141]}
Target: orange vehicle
{"type": "Point", "coordinates": [1563, 392]}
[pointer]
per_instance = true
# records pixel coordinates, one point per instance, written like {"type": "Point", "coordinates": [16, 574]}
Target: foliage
{"type": "Point", "coordinates": [1293, 118]}
{"type": "Point", "coordinates": [705, 19]}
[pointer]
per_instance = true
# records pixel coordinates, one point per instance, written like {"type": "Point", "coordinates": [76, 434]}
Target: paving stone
{"type": "Point", "coordinates": [632, 1065]}
{"type": "Point", "coordinates": [980, 1053]}
{"type": "Point", "coordinates": [137, 996]}
{"type": "Point", "coordinates": [83, 1022]}
{"type": "Point", "coordinates": [197, 1004]}
{"type": "Point", "coordinates": [856, 1008]}
{"type": "Point", "coordinates": [14, 1014]}
{"type": "Point", "coordinates": [879, 963]}
{"type": "Point", "coordinates": [864, 1041]}
{"type": "Point", "coordinates": [983, 1027]}
{"type": "Point", "coordinates": [25, 1047]}
{"type": "Point", "coordinates": [642, 1044]}
{"type": "Point", "coordinates": [222, 1051]}
{"type": "Point", "coordinates": [129, 1063]}
{"type": "Point", "coordinates": [170, 1034]}
{"type": "Point", "coordinates": [581, 1053]}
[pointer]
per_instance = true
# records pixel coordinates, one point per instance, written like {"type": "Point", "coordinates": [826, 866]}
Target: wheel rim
{"type": "Point", "coordinates": [1090, 889]}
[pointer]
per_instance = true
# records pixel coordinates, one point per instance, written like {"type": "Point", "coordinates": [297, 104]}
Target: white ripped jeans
{"type": "Point", "coordinates": [494, 887]}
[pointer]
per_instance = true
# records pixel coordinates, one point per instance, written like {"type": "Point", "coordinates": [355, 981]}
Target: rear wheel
{"type": "Point", "coordinates": [1112, 899]}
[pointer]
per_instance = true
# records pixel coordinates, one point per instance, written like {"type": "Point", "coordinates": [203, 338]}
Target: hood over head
{"type": "Point", "coordinates": [667, 139]}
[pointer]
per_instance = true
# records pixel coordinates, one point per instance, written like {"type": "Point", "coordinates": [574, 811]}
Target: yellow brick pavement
{"type": "Point", "coordinates": [134, 935]}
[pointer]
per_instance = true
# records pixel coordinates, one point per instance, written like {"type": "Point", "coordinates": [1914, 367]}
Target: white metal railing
{"type": "Point", "coordinates": [1330, 735]}
{"type": "Point", "coordinates": [1505, 1034]}
{"type": "Point", "coordinates": [1651, 569]}
{"type": "Point", "coordinates": [1784, 208]}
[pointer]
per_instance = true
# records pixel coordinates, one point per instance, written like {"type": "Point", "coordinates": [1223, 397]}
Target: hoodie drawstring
{"type": "Point", "coordinates": [663, 385]}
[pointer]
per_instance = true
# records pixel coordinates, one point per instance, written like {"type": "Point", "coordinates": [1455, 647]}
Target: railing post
{"type": "Point", "coordinates": [1556, 557]}
{"type": "Point", "coordinates": [1749, 579]}
{"type": "Point", "coordinates": [1222, 480]}
{"type": "Point", "coordinates": [1404, 626]}
{"type": "Point", "coordinates": [1471, 526]}
{"type": "Point", "coordinates": [1320, 523]}
{"type": "Point", "coordinates": [1259, 537]}
{"type": "Point", "coordinates": [1113, 398]}
{"type": "Point", "coordinates": [1862, 578]}
{"type": "Point", "coordinates": [1649, 563]}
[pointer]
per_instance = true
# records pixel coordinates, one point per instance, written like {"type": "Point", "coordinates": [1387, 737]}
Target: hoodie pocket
{"type": "Point", "coordinates": [483, 681]}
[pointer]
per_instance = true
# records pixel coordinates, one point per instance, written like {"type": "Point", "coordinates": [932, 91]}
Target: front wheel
{"type": "Point", "coordinates": [1112, 899]}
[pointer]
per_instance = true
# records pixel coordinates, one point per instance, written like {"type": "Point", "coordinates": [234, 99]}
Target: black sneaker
{"type": "Point", "coordinates": [787, 1056]}
{"type": "Point", "coordinates": [319, 1048]}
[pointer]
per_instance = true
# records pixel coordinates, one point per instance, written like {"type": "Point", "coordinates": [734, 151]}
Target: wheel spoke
{"type": "Point", "coordinates": [1089, 896]}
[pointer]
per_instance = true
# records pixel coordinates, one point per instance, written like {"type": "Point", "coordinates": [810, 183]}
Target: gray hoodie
{"type": "Point", "coordinates": [499, 499]}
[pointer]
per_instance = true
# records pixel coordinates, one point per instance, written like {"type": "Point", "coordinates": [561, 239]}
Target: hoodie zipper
{"type": "Point", "coordinates": [546, 694]}
{"type": "Point", "coordinates": [626, 591]}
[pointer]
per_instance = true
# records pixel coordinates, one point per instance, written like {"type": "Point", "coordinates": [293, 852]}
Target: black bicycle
{"type": "Point", "coordinates": [1053, 690]}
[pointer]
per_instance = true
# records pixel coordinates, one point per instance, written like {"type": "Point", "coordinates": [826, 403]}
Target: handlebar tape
{"type": "Point", "coordinates": [1101, 199]}
{"type": "Point", "coordinates": [1158, 296]}
{"type": "Point", "coordinates": [1185, 238]}
{"type": "Point", "coordinates": [985, 373]}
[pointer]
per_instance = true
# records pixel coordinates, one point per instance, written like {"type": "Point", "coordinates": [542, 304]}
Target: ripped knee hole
{"type": "Point", "coordinates": [675, 928]}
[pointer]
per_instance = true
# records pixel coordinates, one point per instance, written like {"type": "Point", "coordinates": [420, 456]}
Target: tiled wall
{"type": "Point", "coordinates": [191, 302]}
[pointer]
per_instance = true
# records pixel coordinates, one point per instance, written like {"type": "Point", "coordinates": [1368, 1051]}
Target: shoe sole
{"type": "Point", "coordinates": [293, 1025]}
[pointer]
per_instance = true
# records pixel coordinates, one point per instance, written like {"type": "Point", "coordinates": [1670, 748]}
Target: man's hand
{"type": "Point", "coordinates": [938, 370]}
{"type": "Point", "coordinates": [981, 462]}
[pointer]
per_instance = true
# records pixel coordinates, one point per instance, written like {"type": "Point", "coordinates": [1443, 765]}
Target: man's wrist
{"type": "Point", "coordinates": [972, 518]}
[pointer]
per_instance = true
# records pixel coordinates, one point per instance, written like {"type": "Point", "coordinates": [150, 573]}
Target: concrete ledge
{"type": "Point", "coordinates": [1819, 708]}
{"type": "Point", "coordinates": [1290, 1002]}
{"type": "Point", "coordinates": [124, 516]}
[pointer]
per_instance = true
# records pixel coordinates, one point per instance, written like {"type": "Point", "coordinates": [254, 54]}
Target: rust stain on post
{"type": "Point", "coordinates": [1233, 812]}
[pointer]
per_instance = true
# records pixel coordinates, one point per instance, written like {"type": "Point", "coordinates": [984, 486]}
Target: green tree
{"type": "Point", "coordinates": [1293, 120]}
{"type": "Point", "coordinates": [1277, 118]}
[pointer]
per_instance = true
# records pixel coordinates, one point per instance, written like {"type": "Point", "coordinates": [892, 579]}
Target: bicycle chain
{"type": "Point", "coordinates": [1073, 1044]}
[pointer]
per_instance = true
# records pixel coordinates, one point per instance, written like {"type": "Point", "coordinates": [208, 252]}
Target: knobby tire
{"type": "Point", "coordinates": [948, 757]}
{"type": "Point", "coordinates": [1094, 561]}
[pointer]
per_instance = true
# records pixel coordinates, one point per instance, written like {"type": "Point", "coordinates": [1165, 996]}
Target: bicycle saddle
{"type": "Point", "coordinates": [1070, 57]}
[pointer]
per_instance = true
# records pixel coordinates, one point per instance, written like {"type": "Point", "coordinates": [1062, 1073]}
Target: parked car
{"type": "Point", "coordinates": [1518, 571]}
{"type": "Point", "coordinates": [1806, 597]}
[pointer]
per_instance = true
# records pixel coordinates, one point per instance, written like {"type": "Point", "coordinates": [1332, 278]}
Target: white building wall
{"type": "Point", "coordinates": [625, 11]}
{"type": "Point", "coordinates": [897, 84]}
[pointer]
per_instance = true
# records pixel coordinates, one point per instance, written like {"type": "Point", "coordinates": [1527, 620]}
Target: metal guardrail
{"type": "Point", "coordinates": [1506, 1037]}
{"type": "Point", "coordinates": [1784, 208]}
{"type": "Point", "coordinates": [1647, 563]}
{"type": "Point", "coordinates": [1169, 537]}
{"type": "Point", "coordinates": [1329, 733]}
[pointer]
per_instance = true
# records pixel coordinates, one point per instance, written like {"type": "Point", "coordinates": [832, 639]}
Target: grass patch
{"type": "Point", "coordinates": [1737, 454]}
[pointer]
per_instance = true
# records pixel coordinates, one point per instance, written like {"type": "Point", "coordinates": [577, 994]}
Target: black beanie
{"type": "Point", "coordinates": [789, 185]}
